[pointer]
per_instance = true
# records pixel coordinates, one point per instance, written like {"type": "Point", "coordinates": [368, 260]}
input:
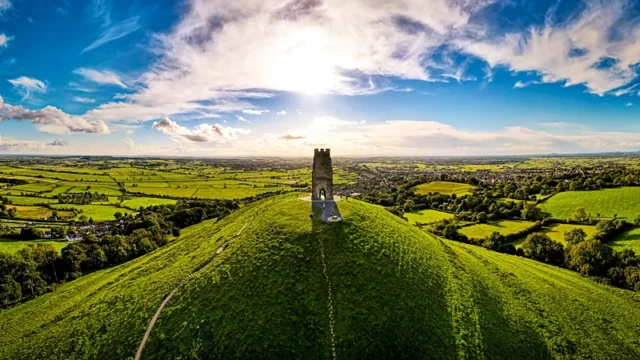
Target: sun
{"type": "Point", "coordinates": [307, 64]}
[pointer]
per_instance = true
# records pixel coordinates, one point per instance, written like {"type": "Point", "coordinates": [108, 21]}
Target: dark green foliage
{"type": "Point", "coordinates": [539, 246]}
{"type": "Point", "coordinates": [575, 236]}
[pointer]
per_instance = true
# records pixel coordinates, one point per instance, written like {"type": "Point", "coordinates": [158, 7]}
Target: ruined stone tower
{"type": "Point", "coordinates": [322, 175]}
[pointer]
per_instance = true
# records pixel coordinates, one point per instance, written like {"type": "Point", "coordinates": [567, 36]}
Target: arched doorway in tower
{"type": "Point", "coordinates": [323, 194]}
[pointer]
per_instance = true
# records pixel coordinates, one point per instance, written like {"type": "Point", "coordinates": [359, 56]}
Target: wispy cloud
{"type": "Point", "coordinates": [101, 77]}
{"type": "Point", "coordinates": [523, 84]}
{"type": "Point", "coordinates": [578, 51]}
{"type": "Point", "coordinates": [240, 118]}
{"type": "Point", "coordinates": [625, 91]}
{"type": "Point", "coordinates": [81, 99]}
{"type": "Point", "coordinates": [100, 12]}
{"type": "Point", "coordinates": [115, 32]}
{"type": "Point", "coordinates": [255, 112]}
{"type": "Point", "coordinates": [281, 112]}
{"type": "Point", "coordinates": [26, 86]}
{"type": "Point", "coordinates": [4, 6]}
{"type": "Point", "coordinates": [629, 104]}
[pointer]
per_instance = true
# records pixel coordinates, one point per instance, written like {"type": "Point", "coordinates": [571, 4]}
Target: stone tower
{"type": "Point", "coordinates": [322, 175]}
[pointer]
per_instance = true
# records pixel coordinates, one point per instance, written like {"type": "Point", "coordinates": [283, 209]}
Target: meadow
{"type": "Point", "coordinates": [556, 232]}
{"type": "Point", "coordinates": [426, 216]}
{"type": "Point", "coordinates": [628, 240]}
{"type": "Point", "coordinates": [607, 203]}
{"type": "Point", "coordinates": [444, 187]}
{"type": "Point", "coordinates": [395, 290]}
{"type": "Point", "coordinates": [504, 227]}
{"type": "Point", "coordinates": [12, 246]}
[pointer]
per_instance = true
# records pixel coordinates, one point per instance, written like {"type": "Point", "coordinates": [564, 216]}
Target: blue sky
{"type": "Point", "coordinates": [253, 77]}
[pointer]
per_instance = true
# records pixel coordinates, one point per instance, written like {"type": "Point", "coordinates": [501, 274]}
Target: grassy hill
{"type": "Point", "coordinates": [620, 201]}
{"type": "Point", "coordinates": [396, 293]}
{"type": "Point", "coordinates": [444, 187]}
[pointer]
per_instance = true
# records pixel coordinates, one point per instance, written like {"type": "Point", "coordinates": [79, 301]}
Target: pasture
{"type": "Point", "coordinates": [556, 232]}
{"type": "Point", "coordinates": [12, 246]}
{"type": "Point", "coordinates": [95, 212]}
{"type": "Point", "coordinates": [444, 187]}
{"type": "Point", "coordinates": [628, 240]}
{"type": "Point", "coordinates": [607, 203]}
{"type": "Point", "coordinates": [504, 227]}
{"type": "Point", "coordinates": [426, 216]}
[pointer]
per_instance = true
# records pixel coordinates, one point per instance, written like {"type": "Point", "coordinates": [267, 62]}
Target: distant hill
{"type": "Point", "coordinates": [396, 293]}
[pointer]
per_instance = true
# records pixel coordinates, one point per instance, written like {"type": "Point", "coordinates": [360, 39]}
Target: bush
{"type": "Point", "coordinates": [539, 246]}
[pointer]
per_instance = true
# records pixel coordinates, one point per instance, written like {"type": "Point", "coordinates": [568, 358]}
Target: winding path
{"type": "Point", "coordinates": [166, 300]}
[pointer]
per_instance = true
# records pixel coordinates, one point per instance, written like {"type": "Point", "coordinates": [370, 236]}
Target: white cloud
{"type": "Point", "coordinates": [52, 120]}
{"type": "Point", "coordinates": [290, 137]}
{"type": "Point", "coordinates": [115, 32]}
{"type": "Point", "coordinates": [100, 12]}
{"type": "Point", "coordinates": [409, 137]}
{"type": "Point", "coordinates": [240, 118]}
{"type": "Point", "coordinates": [202, 133]}
{"type": "Point", "coordinates": [101, 77]}
{"type": "Point", "coordinates": [405, 89]}
{"type": "Point", "coordinates": [572, 52]}
{"type": "Point", "coordinates": [255, 112]}
{"type": "Point", "coordinates": [26, 86]}
{"type": "Point", "coordinates": [4, 6]}
{"type": "Point", "coordinates": [10, 145]}
{"type": "Point", "coordinates": [629, 104]}
{"type": "Point", "coordinates": [281, 112]}
{"type": "Point", "coordinates": [81, 99]}
{"type": "Point", "coordinates": [625, 90]}
{"type": "Point", "coordinates": [58, 142]}
{"type": "Point", "coordinates": [131, 145]}
{"type": "Point", "coordinates": [521, 84]}
{"type": "Point", "coordinates": [4, 40]}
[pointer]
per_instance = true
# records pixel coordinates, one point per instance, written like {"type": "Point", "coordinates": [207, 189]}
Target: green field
{"type": "Point", "coordinates": [504, 227]}
{"type": "Point", "coordinates": [12, 246]}
{"type": "Point", "coordinates": [628, 240]}
{"type": "Point", "coordinates": [97, 212]}
{"type": "Point", "coordinates": [37, 212]}
{"type": "Point", "coordinates": [444, 187]}
{"type": "Point", "coordinates": [137, 202]}
{"type": "Point", "coordinates": [426, 216]}
{"type": "Point", "coordinates": [396, 292]}
{"type": "Point", "coordinates": [28, 200]}
{"type": "Point", "coordinates": [620, 201]}
{"type": "Point", "coordinates": [556, 232]}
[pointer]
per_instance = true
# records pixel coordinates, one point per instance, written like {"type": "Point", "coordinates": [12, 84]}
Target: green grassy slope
{"type": "Point", "coordinates": [606, 202]}
{"type": "Point", "coordinates": [397, 293]}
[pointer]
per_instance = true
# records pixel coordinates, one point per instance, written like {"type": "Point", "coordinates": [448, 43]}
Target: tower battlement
{"type": "Point", "coordinates": [326, 152]}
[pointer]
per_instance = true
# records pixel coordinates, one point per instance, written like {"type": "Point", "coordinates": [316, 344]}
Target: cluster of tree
{"type": "Point", "coordinates": [81, 198]}
{"type": "Point", "coordinates": [13, 181]}
{"type": "Point", "coordinates": [477, 207]}
{"type": "Point", "coordinates": [7, 212]}
{"type": "Point", "coordinates": [37, 269]}
{"type": "Point", "coordinates": [590, 257]}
